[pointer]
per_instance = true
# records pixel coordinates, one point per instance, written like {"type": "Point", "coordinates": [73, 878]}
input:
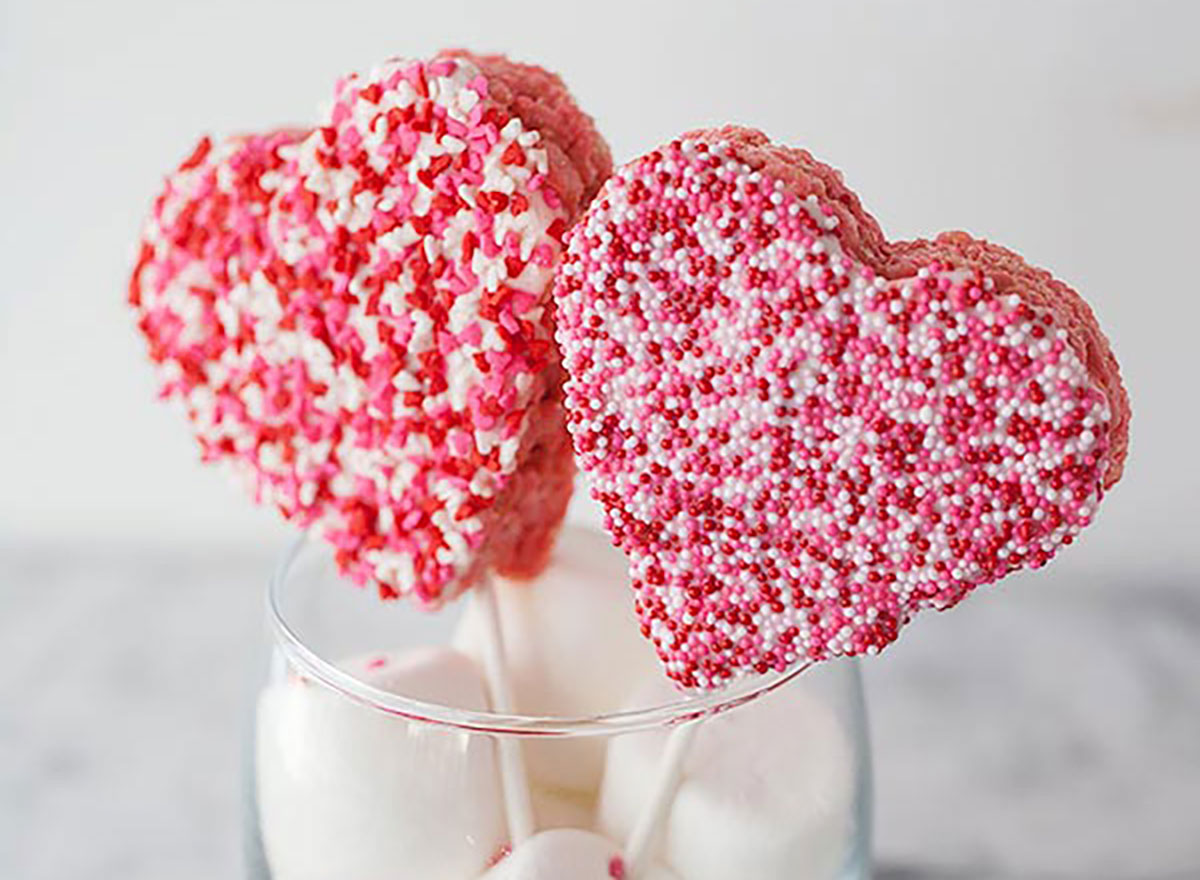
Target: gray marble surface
{"type": "Point", "coordinates": [1051, 730]}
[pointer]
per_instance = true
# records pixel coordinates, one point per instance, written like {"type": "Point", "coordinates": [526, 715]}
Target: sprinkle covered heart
{"type": "Point", "coordinates": [803, 434]}
{"type": "Point", "coordinates": [358, 315]}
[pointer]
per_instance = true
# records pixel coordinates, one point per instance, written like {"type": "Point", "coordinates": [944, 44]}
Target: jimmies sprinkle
{"type": "Point", "coordinates": [358, 314]}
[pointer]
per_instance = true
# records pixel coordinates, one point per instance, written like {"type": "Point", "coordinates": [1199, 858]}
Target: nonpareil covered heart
{"type": "Point", "coordinates": [803, 434]}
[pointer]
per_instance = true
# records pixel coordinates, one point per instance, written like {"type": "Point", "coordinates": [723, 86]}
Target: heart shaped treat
{"type": "Point", "coordinates": [803, 434]}
{"type": "Point", "coordinates": [358, 315]}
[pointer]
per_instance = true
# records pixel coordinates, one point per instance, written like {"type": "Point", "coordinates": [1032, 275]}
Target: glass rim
{"type": "Point", "coordinates": [316, 667]}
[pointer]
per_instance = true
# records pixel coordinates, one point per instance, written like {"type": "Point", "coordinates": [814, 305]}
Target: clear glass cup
{"type": "Point", "coordinates": [350, 779]}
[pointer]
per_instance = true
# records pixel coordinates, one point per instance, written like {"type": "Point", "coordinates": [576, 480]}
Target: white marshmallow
{"type": "Point", "coordinates": [348, 791]}
{"type": "Point", "coordinates": [567, 854]}
{"type": "Point", "coordinates": [767, 790]}
{"type": "Point", "coordinates": [560, 808]}
{"type": "Point", "coordinates": [574, 648]}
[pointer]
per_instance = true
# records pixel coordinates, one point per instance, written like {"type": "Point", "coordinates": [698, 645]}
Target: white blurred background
{"type": "Point", "coordinates": [1069, 131]}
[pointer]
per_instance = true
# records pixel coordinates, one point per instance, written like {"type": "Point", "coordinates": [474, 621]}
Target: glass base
{"type": "Point", "coordinates": [347, 775]}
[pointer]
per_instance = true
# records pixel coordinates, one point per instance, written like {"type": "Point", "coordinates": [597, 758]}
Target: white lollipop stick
{"type": "Point", "coordinates": [518, 804]}
{"type": "Point", "coordinates": [639, 849]}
